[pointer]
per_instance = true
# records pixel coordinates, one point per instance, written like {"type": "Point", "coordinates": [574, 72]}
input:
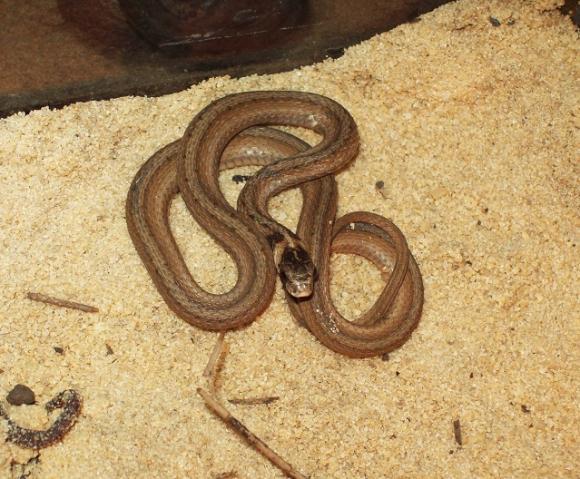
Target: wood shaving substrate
{"type": "Point", "coordinates": [473, 129]}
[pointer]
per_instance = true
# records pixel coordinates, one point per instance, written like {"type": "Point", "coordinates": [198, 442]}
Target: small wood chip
{"type": "Point", "coordinates": [226, 475]}
{"type": "Point", "coordinates": [254, 401]}
{"type": "Point", "coordinates": [20, 395]}
{"type": "Point", "coordinates": [63, 303]}
{"type": "Point", "coordinates": [462, 27]}
{"type": "Point", "coordinates": [457, 432]}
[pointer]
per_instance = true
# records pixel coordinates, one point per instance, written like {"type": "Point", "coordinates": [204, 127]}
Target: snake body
{"type": "Point", "coordinates": [231, 132]}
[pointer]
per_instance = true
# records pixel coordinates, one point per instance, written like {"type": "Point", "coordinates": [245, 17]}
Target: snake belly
{"type": "Point", "coordinates": [223, 135]}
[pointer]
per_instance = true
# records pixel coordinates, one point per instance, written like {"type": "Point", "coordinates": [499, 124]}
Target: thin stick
{"type": "Point", "coordinates": [250, 437]}
{"type": "Point", "coordinates": [218, 349]}
{"type": "Point", "coordinates": [253, 401]}
{"type": "Point", "coordinates": [63, 303]}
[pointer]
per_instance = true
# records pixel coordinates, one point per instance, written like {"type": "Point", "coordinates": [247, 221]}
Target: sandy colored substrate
{"type": "Point", "coordinates": [473, 129]}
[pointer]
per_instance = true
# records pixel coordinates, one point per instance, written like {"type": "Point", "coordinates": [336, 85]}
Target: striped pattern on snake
{"type": "Point", "coordinates": [232, 132]}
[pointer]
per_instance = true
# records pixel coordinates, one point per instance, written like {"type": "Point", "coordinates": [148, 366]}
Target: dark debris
{"type": "Point", "coordinates": [457, 432]}
{"type": "Point", "coordinates": [240, 178]}
{"type": "Point", "coordinates": [20, 395]}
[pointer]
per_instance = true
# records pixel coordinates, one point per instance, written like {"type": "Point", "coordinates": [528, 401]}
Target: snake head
{"type": "Point", "coordinates": [297, 271]}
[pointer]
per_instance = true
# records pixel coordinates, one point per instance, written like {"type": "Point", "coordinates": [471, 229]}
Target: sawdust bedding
{"type": "Point", "coordinates": [470, 122]}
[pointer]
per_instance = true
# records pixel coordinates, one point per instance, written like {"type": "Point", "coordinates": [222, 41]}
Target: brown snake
{"type": "Point", "coordinates": [226, 134]}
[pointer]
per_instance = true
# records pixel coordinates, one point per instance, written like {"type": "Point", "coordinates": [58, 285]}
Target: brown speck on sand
{"type": "Point", "coordinates": [21, 394]}
{"type": "Point", "coordinates": [380, 187]}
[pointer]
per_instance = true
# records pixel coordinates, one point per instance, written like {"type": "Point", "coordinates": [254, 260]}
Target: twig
{"type": "Point", "coordinates": [210, 370]}
{"type": "Point", "coordinates": [42, 298]}
{"type": "Point", "coordinates": [216, 353]}
{"type": "Point", "coordinates": [250, 437]}
{"type": "Point", "coordinates": [253, 401]}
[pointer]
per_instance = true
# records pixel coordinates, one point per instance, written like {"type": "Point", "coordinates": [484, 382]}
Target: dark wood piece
{"type": "Point", "coordinates": [55, 52]}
